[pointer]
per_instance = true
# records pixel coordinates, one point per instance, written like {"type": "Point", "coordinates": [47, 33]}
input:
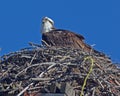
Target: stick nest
{"type": "Point", "coordinates": [38, 70]}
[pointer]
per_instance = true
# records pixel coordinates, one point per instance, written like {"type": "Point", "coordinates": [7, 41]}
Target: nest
{"type": "Point", "coordinates": [37, 71]}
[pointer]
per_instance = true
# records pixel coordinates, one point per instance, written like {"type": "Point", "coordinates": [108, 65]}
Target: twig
{"type": "Point", "coordinates": [29, 64]}
{"type": "Point", "coordinates": [41, 79]}
{"type": "Point", "coordinates": [45, 43]}
{"type": "Point", "coordinates": [100, 83]}
{"type": "Point", "coordinates": [25, 89]}
{"type": "Point", "coordinates": [93, 93]}
{"type": "Point", "coordinates": [33, 83]}
{"type": "Point", "coordinates": [47, 69]}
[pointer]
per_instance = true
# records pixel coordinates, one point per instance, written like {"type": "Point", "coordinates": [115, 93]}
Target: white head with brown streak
{"type": "Point", "coordinates": [47, 25]}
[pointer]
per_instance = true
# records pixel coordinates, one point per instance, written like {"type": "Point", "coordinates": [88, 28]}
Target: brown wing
{"type": "Point", "coordinates": [63, 38]}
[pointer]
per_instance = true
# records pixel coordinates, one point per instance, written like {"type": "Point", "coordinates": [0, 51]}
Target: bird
{"type": "Point", "coordinates": [53, 37]}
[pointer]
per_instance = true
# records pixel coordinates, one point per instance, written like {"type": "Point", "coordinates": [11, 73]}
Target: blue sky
{"type": "Point", "coordinates": [97, 20]}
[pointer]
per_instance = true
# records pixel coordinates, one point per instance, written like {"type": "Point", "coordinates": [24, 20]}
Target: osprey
{"type": "Point", "coordinates": [53, 37]}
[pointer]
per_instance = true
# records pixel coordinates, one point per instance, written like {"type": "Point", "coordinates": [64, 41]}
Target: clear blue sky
{"type": "Point", "coordinates": [97, 20]}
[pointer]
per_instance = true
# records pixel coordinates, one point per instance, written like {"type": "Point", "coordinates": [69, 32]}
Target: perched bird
{"type": "Point", "coordinates": [53, 37]}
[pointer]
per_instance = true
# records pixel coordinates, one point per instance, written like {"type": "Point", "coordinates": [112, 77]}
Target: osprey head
{"type": "Point", "coordinates": [47, 25]}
